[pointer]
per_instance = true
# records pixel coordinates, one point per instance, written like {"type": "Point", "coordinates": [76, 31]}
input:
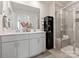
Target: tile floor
{"type": "Point", "coordinates": [53, 53]}
{"type": "Point", "coordinates": [69, 51]}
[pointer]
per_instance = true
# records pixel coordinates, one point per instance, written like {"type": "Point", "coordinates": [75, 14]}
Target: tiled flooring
{"type": "Point", "coordinates": [53, 53]}
{"type": "Point", "coordinates": [69, 51]}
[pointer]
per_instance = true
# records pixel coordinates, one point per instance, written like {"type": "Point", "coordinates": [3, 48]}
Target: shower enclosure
{"type": "Point", "coordinates": [69, 18]}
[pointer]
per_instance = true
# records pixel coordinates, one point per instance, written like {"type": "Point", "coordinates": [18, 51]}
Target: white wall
{"type": "Point", "coordinates": [52, 9]}
{"type": "Point", "coordinates": [44, 11]}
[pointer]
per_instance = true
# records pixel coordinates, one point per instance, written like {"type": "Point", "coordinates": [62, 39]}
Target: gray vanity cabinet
{"type": "Point", "coordinates": [15, 49]}
{"type": "Point", "coordinates": [22, 45]}
{"type": "Point", "coordinates": [14, 46]}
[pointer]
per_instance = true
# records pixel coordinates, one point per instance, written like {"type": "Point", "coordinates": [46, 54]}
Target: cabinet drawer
{"type": "Point", "coordinates": [8, 38]}
{"type": "Point", "coordinates": [36, 35]}
{"type": "Point", "coordinates": [21, 37]}
{"type": "Point", "coordinates": [39, 35]}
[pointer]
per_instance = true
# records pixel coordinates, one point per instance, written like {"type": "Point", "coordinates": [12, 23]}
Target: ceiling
{"type": "Point", "coordinates": [47, 2]}
{"type": "Point", "coordinates": [58, 3]}
{"type": "Point", "coordinates": [61, 3]}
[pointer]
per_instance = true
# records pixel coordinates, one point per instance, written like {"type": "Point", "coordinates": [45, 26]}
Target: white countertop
{"type": "Point", "coordinates": [15, 33]}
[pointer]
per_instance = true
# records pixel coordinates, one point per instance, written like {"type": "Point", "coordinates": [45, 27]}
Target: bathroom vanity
{"type": "Point", "coordinates": [17, 39]}
{"type": "Point", "coordinates": [22, 44]}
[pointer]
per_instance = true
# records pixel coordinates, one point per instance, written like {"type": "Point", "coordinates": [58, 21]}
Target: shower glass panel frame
{"type": "Point", "coordinates": [69, 17]}
{"type": "Point", "coordinates": [70, 22]}
{"type": "Point", "coordinates": [76, 39]}
{"type": "Point", "coordinates": [67, 26]}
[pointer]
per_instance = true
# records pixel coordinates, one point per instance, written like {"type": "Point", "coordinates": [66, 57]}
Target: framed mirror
{"type": "Point", "coordinates": [23, 14]}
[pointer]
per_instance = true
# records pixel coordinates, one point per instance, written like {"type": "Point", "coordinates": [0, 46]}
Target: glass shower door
{"type": "Point", "coordinates": [70, 22]}
{"type": "Point", "coordinates": [76, 33]}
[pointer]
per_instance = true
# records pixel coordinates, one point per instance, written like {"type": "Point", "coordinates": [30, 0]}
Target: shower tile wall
{"type": "Point", "coordinates": [68, 22]}
{"type": "Point", "coordinates": [77, 30]}
{"type": "Point", "coordinates": [58, 25]}
{"type": "Point", "coordinates": [58, 20]}
{"type": "Point", "coordinates": [77, 34]}
{"type": "Point", "coordinates": [1, 7]}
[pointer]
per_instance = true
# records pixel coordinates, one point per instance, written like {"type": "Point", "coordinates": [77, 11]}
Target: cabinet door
{"type": "Point", "coordinates": [9, 50]}
{"type": "Point", "coordinates": [42, 45]}
{"type": "Point", "coordinates": [23, 48]}
{"type": "Point", "coordinates": [34, 46]}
